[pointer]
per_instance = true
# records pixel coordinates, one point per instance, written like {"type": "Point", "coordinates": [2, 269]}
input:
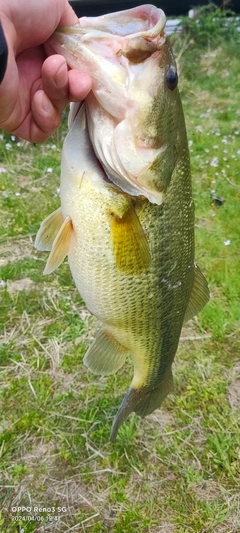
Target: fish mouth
{"type": "Point", "coordinates": [138, 33]}
{"type": "Point", "coordinates": [112, 48]}
{"type": "Point", "coordinates": [145, 21]}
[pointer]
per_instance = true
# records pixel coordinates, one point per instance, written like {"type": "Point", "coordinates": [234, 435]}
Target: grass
{"type": "Point", "coordinates": [177, 471]}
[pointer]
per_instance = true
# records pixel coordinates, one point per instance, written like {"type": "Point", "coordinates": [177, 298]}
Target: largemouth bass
{"type": "Point", "coordinates": [126, 220]}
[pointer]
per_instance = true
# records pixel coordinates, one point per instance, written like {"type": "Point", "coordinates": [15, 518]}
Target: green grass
{"type": "Point", "coordinates": [177, 471]}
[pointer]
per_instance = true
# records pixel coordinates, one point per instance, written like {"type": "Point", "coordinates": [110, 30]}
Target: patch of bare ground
{"type": "Point", "coordinates": [234, 388]}
{"type": "Point", "coordinates": [232, 524]}
{"type": "Point", "coordinates": [26, 329]}
{"type": "Point", "coordinates": [16, 248]}
{"type": "Point", "coordinates": [161, 418]}
{"type": "Point", "coordinates": [24, 284]}
{"type": "Point", "coordinates": [190, 332]}
{"type": "Point", "coordinates": [210, 491]}
{"type": "Point", "coordinates": [31, 328]}
{"type": "Point", "coordinates": [48, 485]}
{"type": "Point", "coordinates": [164, 527]}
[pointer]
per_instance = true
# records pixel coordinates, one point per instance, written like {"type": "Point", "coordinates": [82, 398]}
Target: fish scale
{"type": "Point", "coordinates": [129, 238]}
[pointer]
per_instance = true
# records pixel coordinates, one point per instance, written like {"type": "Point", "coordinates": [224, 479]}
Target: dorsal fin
{"type": "Point", "coordinates": [199, 295]}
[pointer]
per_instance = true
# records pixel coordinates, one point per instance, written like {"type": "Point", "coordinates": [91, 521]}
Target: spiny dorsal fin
{"type": "Point", "coordinates": [105, 355]}
{"type": "Point", "coordinates": [199, 295]}
{"type": "Point", "coordinates": [60, 247]}
{"type": "Point", "coordinates": [48, 230]}
{"type": "Point", "coordinates": [130, 245]}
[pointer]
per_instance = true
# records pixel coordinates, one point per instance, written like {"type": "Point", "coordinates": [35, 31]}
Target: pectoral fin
{"type": "Point", "coordinates": [130, 245]}
{"type": "Point", "coordinates": [199, 295]}
{"type": "Point", "coordinates": [60, 246]}
{"type": "Point", "coordinates": [105, 355]}
{"type": "Point", "coordinates": [48, 230]}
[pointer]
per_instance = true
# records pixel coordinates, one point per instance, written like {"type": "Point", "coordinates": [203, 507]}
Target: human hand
{"type": "Point", "coordinates": [36, 88]}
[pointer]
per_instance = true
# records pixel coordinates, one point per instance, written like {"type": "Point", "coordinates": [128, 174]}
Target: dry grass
{"type": "Point", "coordinates": [177, 471]}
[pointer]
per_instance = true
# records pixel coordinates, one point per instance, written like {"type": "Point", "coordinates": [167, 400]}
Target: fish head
{"type": "Point", "coordinates": [134, 112]}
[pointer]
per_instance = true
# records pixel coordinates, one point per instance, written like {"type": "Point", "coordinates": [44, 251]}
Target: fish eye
{"type": "Point", "coordinates": [171, 78]}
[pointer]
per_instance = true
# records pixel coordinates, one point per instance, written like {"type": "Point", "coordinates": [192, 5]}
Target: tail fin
{"type": "Point", "coordinates": [143, 401]}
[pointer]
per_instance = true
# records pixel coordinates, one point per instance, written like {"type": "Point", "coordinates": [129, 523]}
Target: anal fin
{"type": "Point", "coordinates": [105, 355]}
{"type": "Point", "coordinates": [130, 245]}
{"type": "Point", "coordinates": [199, 295]}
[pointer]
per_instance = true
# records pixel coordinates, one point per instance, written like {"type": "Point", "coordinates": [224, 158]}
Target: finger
{"type": "Point", "coordinates": [63, 85]}
{"type": "Point", "coordinates": [45, 117]}
{"type": "Point", "coordinates": [79, 84]}
{"type": "Point", "coordinates": [55, 80]}
{"type": "Point", "coordinates": [59, 86]}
